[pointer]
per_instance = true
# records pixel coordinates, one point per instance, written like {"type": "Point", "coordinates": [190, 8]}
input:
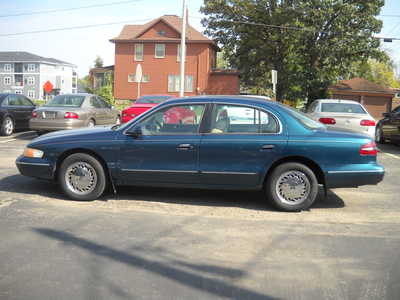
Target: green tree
{"type": "Point", "coordinates": [309, 42]}
{"type": "Point", "coordinates": [98, 62]}
{"type": "Point", "coordinates": [106, 91]}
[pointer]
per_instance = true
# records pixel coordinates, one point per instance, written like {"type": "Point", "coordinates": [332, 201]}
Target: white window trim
{"type": "Point", "coordinates": [4, 80]}
{"type": "Point", "coordinates": [31, 94]}
{"type": "Point", "coordinates": [7, 67]}
{"type": "Point", "coordinates": [155, 51]}
{"type": "Point", "coordinates": [31, 67]}
{"type": "Point", "coordinates": [136, 48]}
{"type": "Point", "coordinates": [132, 78]}
{"type": "Point", "coordinates": [176, 83]}
{"type": "Point", "coordinates": [31, 80]}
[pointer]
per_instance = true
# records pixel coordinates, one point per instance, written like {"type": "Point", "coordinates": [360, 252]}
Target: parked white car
{"type": "Point", "coordinates": [344, 114]}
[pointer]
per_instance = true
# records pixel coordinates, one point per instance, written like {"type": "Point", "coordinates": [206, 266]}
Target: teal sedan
{"type": "Point", "coordinates": [211, 142]}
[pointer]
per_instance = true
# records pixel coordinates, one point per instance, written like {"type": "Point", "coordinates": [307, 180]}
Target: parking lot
{"type": "Point", "coordinates": [147, 243]}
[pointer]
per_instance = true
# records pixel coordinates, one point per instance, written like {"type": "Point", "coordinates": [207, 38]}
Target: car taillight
{"type": "Point", "coordinates": [367, 123]}
{"type": "Point", "coordinates": [34, 114]}
{"type": "Point", "coordinates": [71, 115]}
{"type": "Point", "coordinates": [369, 149]}
{"type": "Point", "coordinates": [329, 121]}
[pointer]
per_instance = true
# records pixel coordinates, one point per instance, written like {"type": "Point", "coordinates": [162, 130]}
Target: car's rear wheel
{"type": "Point", "coordinates": [91, 123]}
{"type": "Point", "coordinates": [7, 126]}
{"type": "Point", "coordinates": [292, 187]}
{"type": "Point", "coordinates": [82, 177]}
{"type": "Point", "coordinates": [379, 138]}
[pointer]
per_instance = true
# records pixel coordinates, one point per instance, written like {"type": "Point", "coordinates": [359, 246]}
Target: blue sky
{"type": "Point", "coordinates": [81, 46]}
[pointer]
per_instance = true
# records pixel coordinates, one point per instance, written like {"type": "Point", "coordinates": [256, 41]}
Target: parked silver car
{"type": "Point", "coordinates": [72, 111]}
{"type": "Point", "coordinates": [343, 113]}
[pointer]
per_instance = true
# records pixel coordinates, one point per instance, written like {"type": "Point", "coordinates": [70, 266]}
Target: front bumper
{"type": "Point", "coordinates": [354, 177]}
{"type": "Point", "coordinates": [55, 124]}
{"type": "Point", "coordinates": [35, 167]}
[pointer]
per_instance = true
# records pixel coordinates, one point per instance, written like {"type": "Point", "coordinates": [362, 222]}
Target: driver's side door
{"type": "Point", "coordinates": [166, 150]}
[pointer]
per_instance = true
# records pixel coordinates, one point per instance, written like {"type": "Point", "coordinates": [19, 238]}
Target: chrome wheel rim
{"type": "Point", "coordinates": [91, 124]}
{"type": "Point", "coordinates": [378, 135]}
{"type": "Point", "coordinates": [8, 126]}
{"type": "Point", "coordinates": [81, 178]}
{"type": "Point", "coordinates": [293, 187]}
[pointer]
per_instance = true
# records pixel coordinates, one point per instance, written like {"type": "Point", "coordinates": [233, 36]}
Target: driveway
{"type": "Point", "coordinates": [191, 244]}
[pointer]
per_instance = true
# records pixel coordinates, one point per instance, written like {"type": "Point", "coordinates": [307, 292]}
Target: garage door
{"type": "Point", "coordinates": [376, 106]}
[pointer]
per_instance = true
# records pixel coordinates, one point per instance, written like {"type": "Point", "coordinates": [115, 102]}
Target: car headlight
{"type": "Point", "coordinates": [35, 153]}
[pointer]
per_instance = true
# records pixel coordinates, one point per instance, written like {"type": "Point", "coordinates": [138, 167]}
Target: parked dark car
{"type": "Point", "coordinates": [388, 129]}
{"type": "Point", "coordinates": [15, 112]}
{"type": "Point", "coordinates": [230, 142]}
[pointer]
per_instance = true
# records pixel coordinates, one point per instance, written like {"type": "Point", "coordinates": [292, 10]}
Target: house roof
{"type": "Point", "coordinates": [22, 56]}
{"type": "Point", "coordinates": [360, 85]}
{"type": "Point", "coordinates": [133, 32]}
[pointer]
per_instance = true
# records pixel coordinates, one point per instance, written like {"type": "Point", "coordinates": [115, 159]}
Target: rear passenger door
{"type": "Point", "coordinates": [109, 115]}
{"type": "Point", "coordinates": [97, 111]}
{"type": "Point", "coordinates": [241, 142]}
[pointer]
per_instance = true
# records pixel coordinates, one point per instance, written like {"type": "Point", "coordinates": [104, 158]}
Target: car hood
{"type": "Point", "coordinates": [85, 134]}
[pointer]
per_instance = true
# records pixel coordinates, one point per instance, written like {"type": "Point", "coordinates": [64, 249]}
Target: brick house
{"type": "Point", "coordinates": [375, 98]}
{"type": "Point", "coordinates": [156, 46]}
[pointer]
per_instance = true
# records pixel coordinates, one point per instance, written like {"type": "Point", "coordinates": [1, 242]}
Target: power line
{"type": "Point", "coordinates": [66, 9]}
{"type": "Point", "coordinates": [71, 28]}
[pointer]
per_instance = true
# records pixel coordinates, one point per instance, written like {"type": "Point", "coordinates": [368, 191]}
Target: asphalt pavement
{"type": "Point", "coordinates": [148, 243]}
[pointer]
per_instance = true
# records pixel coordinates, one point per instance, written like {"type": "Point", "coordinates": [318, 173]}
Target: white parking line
{"type": "Point", "coordinates": [392, 155]}
{"type": "Point", "coordinates": [6, 141]}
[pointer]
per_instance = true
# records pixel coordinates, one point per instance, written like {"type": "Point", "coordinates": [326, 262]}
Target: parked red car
{"type": "Point", "coordinates": [141, 105]}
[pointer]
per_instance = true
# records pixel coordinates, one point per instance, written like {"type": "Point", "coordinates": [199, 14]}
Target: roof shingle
{"type": "Point", "coordinates": [360, 85]}
{"type": "Point", "coordinates": [22, 56]}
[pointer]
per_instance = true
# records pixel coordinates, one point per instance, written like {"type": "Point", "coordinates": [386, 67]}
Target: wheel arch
{"type": "Point", "coordinates": [298, 159]}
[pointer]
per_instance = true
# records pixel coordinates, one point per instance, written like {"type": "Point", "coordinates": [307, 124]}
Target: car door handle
{"type": "Point", "coordinates": [267, 147]}
{"type": "Point", "coordinates": [185, 147]}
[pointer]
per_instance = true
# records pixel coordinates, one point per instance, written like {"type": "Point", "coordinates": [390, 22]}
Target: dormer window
{"type": "Point", "coordinates": [161, 33]}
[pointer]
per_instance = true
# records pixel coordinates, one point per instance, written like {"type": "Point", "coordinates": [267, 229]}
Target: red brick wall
{"type": "Point", "coordinates": [223, 84]}
{"type": "Point", "coordinates": [198, 64]}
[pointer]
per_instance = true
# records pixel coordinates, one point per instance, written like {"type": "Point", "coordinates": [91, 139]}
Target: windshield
{"type": "Point", "coordinates": [66, 101]}
{"type": "Point", "coordinates": [348, 108]}
{"type": "Point", "coordinates": [303, 118]}
{"type": "Point", "coordinates": [152, 99]}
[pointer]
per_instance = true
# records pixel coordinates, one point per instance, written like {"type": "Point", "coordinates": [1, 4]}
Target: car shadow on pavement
{"type": "Point", "coordinates": [389, 148]}
{"type": "Point", "coordinates": [194, 276]}
{"type": "Point", "coordinates": [251, 200]}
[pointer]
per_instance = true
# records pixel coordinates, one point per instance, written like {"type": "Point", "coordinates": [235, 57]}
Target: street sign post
{"type": "Point", "coordinates": [274, 74]}
{"type": "Point", "coordinates": [138, 77]}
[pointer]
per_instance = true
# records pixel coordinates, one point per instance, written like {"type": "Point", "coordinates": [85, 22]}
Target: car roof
{"type": "Point", "coordinates": [338, 101]}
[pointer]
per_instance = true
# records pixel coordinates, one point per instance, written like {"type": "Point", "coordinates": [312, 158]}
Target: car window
{"type": "Point", "coordinates": [152, 99]}
{"type": "Point", "coordinates": [24, 102]}
{"type": "Point", "coordinates": [312, 107]}
{"type": "Point", "coordinates": [103, 103]}
{"type": "Point", "coordinates": [13, 100]}
{"type": "Point", "coordinates": [302, 118]}
{"type": "Point", "coordinates": [241, 119]}
{"type": "Point", "coordinates": [343, 108]}
{"type": "Point", "coordinates": [94, 102]}
{"type": "Point", "coordinates": [181, 119]}
{"type": "Point", "coordinates": [396, 110]}
{"type": "Point", "coordinates": [66, 101]}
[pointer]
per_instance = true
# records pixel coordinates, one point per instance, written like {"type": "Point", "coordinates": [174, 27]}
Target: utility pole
{"type": "Point", "coordinates": [183, 51]}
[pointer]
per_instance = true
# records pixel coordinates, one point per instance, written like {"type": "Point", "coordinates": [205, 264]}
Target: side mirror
{"type": "Point", "coordinates": [386, 115]}
{"type": "Point", "coordinates": [135, 132]}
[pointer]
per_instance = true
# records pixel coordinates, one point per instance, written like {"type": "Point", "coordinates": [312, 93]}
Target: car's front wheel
{"type": "Point", "coordinates": [7, 127]}
{"type": "Point", "coordinates": [82, 177]}
{"type": "Point", "coordinates": [292, 187]}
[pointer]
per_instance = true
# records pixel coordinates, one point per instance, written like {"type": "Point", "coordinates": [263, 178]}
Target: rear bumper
{"type": "Point", "coordinates": [50, 125]}
{"type": "Point", "coordinates": [34, 167]}
{"type": "Point", "coordinates": [354, 178]}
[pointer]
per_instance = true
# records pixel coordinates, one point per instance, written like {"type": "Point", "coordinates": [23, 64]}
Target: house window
{"type": "Point", "coordinates": [7, 80]}
{"type": "Point", "coordinates": [31, 94]}
{"type": "Point", "coordinates": [31, 68]}
{"type": "Point", "coordinates": [18, 92]}
{"type": "Point", "coordinates": [7, 67]}
{"type": "Point", "coordinates": [159, 51]}
{"type": "Point", "coordinates": [132, 78]}
{"type": "Point", "coordinates": [31, 80]}
{"type": "Point", "coordinates": [174, 83]}
{"type": "Point", "coordinates": [178, 53]}
{"type": "Point", "coordinates": [138, 52]}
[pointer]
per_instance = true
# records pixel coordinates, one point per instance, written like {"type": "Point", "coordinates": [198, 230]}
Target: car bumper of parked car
{"type": "Point", "coordinates": [50, 125]}
{"type": "Point", "coordinates": [34, 167]}
{"type": "Point", "coordinates": [355, 177]}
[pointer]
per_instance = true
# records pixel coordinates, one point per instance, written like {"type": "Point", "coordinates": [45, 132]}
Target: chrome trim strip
{"type": "Point", "coordinates": [165, 171]}
{"type": "Point", "coordinates": [357, 171]}
{"type": "Point", "coordinates": [320, 141]}
{"type": "Point", "coordinates": [228, 173]}
{"type": "Point", "coordinates": [32, 164]}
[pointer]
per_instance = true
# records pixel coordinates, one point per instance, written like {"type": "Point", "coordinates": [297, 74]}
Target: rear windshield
{"type": "Point", "coordinates": [348, 108]}
{"type": "Point", "coordinates": [66, 101]}
{"type": "Point", "coordinates": [153, 99]}
{"type": "Point", "coordinates": [303, 118]}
